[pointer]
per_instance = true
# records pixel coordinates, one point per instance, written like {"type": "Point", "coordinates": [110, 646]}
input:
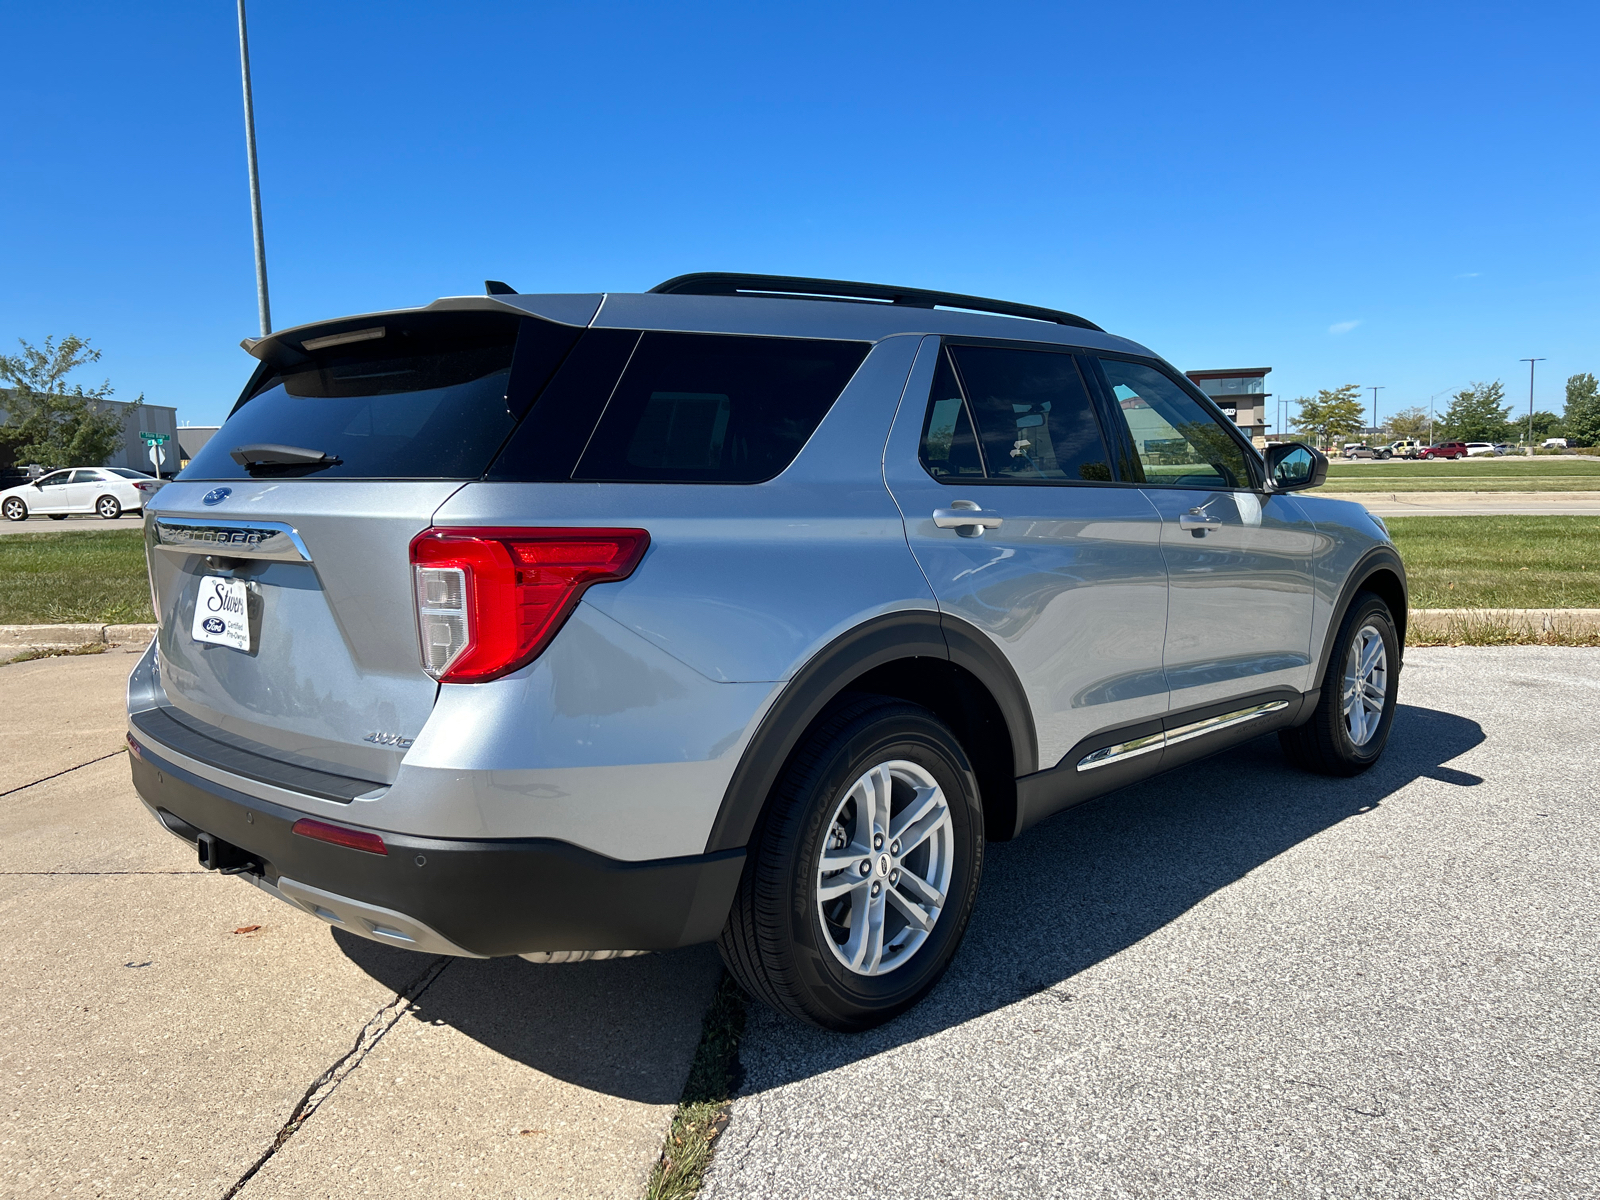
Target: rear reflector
{"type": "Point", "coordinates": [490, 600]}
{"type": "Point", "coordinates": [354, 839]}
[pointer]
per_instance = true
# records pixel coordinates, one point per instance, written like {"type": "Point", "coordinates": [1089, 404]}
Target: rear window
{"type": "Point", "coordinates": [713, 408]}
{"type": "Point", "coordinates": [432, 397]}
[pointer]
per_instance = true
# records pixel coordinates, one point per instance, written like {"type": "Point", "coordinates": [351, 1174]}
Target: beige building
{"type": "Point", "coordinates": [1241, 392]}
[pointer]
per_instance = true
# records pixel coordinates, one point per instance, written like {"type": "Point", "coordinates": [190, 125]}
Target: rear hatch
{"type": "Point", "coordinates": [279, 560]}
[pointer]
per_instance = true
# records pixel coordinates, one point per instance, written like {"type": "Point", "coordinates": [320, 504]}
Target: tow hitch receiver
{"type": "Point", "coordinates": [218, 855]}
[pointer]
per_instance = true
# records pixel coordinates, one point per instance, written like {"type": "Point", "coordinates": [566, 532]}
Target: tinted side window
{"type": "Point", "coordinates": [1179, 443]}
{"type": "Point", "coordinates": [1033, 413]}
{"type": "Point", "coordinates": [716, 408]}
{"type": "Point", "coordinates": [949, 449]}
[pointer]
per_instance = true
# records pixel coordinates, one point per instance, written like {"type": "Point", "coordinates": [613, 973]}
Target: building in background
{"type": "Point", "coordinates": [147, 418]}
{"type": "Point", "coordinates": [191, 438]}
{"type": "Point", "coordinates": [1241, 392]}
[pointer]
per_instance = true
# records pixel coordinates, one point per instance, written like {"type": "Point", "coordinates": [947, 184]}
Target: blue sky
{"type": "Point", "coordinates": [1395, 194]}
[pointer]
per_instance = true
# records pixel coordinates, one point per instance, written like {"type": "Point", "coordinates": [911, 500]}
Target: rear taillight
{"type": "Point", "coordinates": [146, 485]}
{"type": "Point", "coordinates": [490, 600]}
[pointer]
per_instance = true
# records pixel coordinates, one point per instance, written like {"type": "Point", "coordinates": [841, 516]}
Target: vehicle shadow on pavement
{"type": "Point", "coordinates": [623, 1027]}
{"type": "Point", "coordinates": [1097, 879]}
{"type": "Point", "coordinates": [1070, 893]}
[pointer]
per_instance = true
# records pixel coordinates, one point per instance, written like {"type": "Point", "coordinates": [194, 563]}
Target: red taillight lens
{"type": "Point", "coordinates": [354, 839]}
{"type": "Point", "coordinates": [490, 600]}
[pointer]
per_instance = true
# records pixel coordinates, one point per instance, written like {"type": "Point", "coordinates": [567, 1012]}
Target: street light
{"type": "Point", "coordinates": [1374, 390]}
{"type": "Point", "coordinates": [255, 179]}
{"type": "Point", "coordinates": [1530, 362]}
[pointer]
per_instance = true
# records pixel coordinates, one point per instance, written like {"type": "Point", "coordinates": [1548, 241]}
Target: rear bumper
{"type": "Point", "coordinates": [482, 898]}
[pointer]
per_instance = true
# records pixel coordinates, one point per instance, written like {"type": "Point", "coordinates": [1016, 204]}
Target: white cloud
{"type": "Point", "coordinates": [1467, 275]}
{"type": "Point", "coordinates": [1343, 327]}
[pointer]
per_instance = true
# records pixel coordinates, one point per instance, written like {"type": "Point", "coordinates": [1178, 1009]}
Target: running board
{"type": "Point", "coordinates": [1123, 751]}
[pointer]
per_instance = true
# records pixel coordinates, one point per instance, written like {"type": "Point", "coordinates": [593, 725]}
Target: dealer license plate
{"type": "Point", "coordinates": [222, 612]}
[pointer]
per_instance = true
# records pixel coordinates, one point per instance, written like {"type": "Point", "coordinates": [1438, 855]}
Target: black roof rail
{"type": "Point", "coordinates": [793, 287]}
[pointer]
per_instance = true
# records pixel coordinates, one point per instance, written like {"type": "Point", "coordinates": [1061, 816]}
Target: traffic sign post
{"type": "Point", "coordinates": [155, 442]}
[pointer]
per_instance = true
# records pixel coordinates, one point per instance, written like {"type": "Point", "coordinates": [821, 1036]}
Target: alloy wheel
{"type": "Point", "coordinates": [1366, 685]}
{"type": "Point", "coordinates": [885, 871]}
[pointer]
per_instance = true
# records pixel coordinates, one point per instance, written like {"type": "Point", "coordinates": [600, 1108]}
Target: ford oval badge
{"type": "Point", "coordinates": [216, 496]}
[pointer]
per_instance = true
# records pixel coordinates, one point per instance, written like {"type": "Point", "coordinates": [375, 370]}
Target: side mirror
{"type": "Point", "coordinates": [38, 484]}
{"type": "Point", "coordinates": [1295, 466]}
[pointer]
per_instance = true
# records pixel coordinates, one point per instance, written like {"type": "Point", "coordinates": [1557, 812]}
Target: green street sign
{"type": "Point", "coordinates": [156, 439]}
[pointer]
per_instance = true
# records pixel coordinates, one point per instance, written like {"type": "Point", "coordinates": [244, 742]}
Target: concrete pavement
{"type": "Point", "coordinates": [164, 1031]}
{"type": "Point", "coordinates": [1238, 980]}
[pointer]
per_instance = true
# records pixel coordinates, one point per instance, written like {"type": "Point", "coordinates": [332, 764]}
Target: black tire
{"type": "Point", "coordinates": [1323, 744]}
{"type": "Point", "coordinates": [773, 942]}
{"type": "Point", "coordinates": [14, 508]}
{"type": "Point", "coordinates": [108, 507]}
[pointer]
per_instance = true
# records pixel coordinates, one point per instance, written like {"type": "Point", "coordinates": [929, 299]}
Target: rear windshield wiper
{"type": "Point", "coordinates": [274, 459]}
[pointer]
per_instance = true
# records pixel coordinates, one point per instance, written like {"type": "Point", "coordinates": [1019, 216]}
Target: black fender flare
{"type": "Point", "coordinates": [915, 634]}
{"type": "Point", "coordinates": [1382, 557]}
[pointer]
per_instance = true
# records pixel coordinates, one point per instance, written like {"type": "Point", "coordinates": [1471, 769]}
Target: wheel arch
{"type": "Point", "coordinates": [1381, 572]}
{"type": "Point", "coordinates": [941, 663]}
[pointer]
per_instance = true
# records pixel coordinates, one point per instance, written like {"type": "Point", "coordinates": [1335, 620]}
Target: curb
{"type": "Point", "coordinates": [64, 637]}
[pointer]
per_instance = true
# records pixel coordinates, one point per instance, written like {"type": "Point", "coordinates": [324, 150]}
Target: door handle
{"type": "Point", "coordinates": [1197, 522]}
{"type": "Point", "coordinates": [966, 518]}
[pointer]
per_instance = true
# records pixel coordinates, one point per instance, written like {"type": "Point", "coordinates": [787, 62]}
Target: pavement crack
{"type": "Point", "coordinates": [382, 1021]}
{"type": "Point", "coordinates": [22, 787]}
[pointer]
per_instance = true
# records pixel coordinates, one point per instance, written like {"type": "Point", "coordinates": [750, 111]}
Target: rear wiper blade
{"type": "Point", "coordinates": [271, 455]}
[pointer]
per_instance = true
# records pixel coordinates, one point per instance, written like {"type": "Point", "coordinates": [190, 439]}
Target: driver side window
{"type": "Point", "coordinates": [1179, 444]}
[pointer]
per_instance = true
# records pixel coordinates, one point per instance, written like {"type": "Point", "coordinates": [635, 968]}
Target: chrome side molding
{"type": "Point", "coordinates": [1123, 751]}
{"type": "Point", "coordinates": [234, 539]}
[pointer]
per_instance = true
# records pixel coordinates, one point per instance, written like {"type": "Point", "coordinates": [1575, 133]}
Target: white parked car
{"type": "Point", "coordinates": [106, 491]}
{"type": "Point", "coordinates": [1555, 443]}
{"type": "Point", "coordinates": [1474, 449]}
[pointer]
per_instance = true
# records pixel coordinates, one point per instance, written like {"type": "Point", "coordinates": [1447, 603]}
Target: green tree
{"type": "Point", "coordinates": [1409, 423]}
{"type": "Point", "coordinates": [1582, 417]}
{"type": "Point", "coordinates": [1478, 414]}
{"type": "Point", "coordinates": [1331, 415]}
{"type": "Point", "coordinates": [1545, 424]}
{"type": "Point", "coordinates": [45, 423]}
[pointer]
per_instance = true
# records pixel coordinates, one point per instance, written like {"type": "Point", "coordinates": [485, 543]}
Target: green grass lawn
{"type": "Point", "coordinates": [1451, 562]}
{"type": "Point", "coordinates": [56, 578]}
{"type": "Point", "coordinates": [1500, 562]}
{"type": "Point", "coordinates": [1509, 474]}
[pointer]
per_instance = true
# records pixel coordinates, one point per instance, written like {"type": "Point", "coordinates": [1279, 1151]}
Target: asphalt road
{"type": "Point", "coordinates": [167, 1032]}
{"type": "Point", "coordinates": [1243, 981]}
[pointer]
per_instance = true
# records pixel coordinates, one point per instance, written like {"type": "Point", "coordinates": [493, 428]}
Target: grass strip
{"type": "Point", "coordinates": [1492, 632]}
{"type": "Point", "coordinates": [66, 578]}
{"type": "Point", "coordinates": [1500, 562]}
{"type": "Point", "coordinates": [1519, 474]}
{"type": "Point", "coordinates": [707, 1096]}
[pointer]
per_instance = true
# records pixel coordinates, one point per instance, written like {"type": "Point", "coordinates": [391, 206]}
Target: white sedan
{"type": "Point", "coordinates": [107, 491]}
{"type": "Point", "coordinates": [1475, 449]}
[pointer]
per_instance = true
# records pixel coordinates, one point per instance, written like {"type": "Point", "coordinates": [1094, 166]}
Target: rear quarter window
{"type": "Point", "coordinates": [714, 408]}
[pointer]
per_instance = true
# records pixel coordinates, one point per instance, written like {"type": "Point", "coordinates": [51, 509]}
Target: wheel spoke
{"type": "Point", "coordinates": [920, 890]}
{"type": "Point", "coordinates": [834, 887]}
{"type": "Point", "coordinates": [1371, 652]}
{"type": "Point", "coordinates": [919, 919]}
{"type": "Point", "coordinates": [865, 947]}
{"type": "Point", "coordinates": [935, 816]}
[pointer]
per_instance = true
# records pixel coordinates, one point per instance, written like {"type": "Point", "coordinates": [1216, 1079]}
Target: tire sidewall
{"type": "Point", "coordinates": [832, 986]}
{"type": "Point", "coordinates": [14, 503]}
{"type": "Point", "coordinates": [1370, 611]}
{"type": "Point", "coordinates": [102, 515]}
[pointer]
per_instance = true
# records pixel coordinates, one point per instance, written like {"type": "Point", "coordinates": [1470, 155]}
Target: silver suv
{"type": "Point", "coordinates": [746, 609]}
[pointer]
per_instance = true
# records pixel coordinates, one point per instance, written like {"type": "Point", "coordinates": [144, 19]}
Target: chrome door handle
{"type": "Point", "coordinates": [1197, 522]}
{"type": "Point", "coordinates": [966, 518]}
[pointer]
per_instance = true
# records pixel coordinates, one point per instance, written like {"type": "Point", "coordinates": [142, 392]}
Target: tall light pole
{"type": "Point", "coordinates": [1374, 390]}
{"type": "Point", "coordinates": [255, 179]}
{"type": "Point", "coordinates": [1530, 362]}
